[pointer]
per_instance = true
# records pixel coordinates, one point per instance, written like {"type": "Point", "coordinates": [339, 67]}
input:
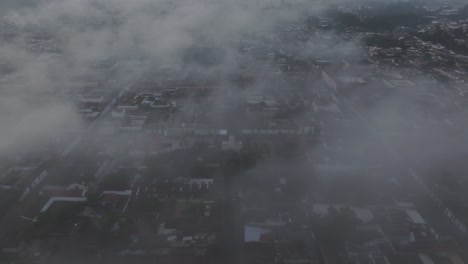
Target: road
{"type": "Point", "coordinates": [11, 224]}
{"type": "Point", "coordinates": [232, 233]}
{"type": "Point", "coordinates": [427, 203]}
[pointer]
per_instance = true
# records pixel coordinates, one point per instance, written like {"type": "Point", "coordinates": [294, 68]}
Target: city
{"type": "Point", "coordinates": [284, 132]}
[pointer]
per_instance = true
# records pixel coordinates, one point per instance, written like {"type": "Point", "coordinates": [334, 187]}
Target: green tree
{"type": "Point", "coordinates": [336, 226]}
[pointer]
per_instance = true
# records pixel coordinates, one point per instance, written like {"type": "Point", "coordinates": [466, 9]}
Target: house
{"type": "Point", "coordinates": [73, 193]}
{"type": "Point", "coordinates": [231, 144]}
{"type": "Point", "coordinates": [115, 200]}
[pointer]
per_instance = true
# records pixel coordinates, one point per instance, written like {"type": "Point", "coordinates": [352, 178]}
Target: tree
{"type": "Point", "coordinates": [336, 226]}
{"type": "Point", "coordinates": [464, 11]}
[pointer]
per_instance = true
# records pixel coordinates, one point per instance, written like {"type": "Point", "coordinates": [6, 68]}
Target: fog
{"type": "Point", "coordinates": [35, 105]}
{"type": "Point", "coordinates": [89, 31]}
{"type": "Point", "coordinates": [377, 126]}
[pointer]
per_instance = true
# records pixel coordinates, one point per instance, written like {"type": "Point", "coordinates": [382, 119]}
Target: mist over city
{"type": "Point", "coordinates": [233, 131]}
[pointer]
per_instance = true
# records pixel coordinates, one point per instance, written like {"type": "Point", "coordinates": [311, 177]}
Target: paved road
{"type": "Point", "coordinates": [12, 223]}
{"type": "Point", "coordinates": [232, 233]}
{"type": "Point", "coordinates": [425, 202]}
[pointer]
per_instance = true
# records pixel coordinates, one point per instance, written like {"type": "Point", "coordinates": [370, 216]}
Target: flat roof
{"type": "Point", "coordinates": [415, 217]}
